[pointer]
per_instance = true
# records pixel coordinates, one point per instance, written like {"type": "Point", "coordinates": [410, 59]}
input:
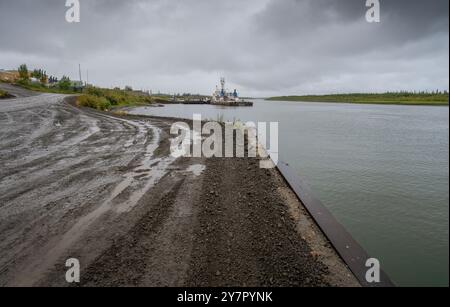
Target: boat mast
{"type": "Point", "coordinates": [222, 83]}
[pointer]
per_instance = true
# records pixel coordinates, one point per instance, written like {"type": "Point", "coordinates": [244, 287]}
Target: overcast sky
{"type": "Point", "coordinates": [262, 47]}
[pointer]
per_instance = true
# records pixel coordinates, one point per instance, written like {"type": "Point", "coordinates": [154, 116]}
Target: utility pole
{"type": "Point", "coordinates": [87, 77]}
{"type": "Point", "coordinates": [79, 70]}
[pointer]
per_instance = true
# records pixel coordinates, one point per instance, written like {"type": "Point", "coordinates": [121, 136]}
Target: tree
{"type": "Point", "coordinates": [65, 83]}
{"type": "Point", "coordinates": [53, 79]}
{"type": "Point", "coordinates": [36, 74]}
{"type": "Point", "coordinates": [44, 78]}
{"type": "Point", "coordinates": [23, 72]}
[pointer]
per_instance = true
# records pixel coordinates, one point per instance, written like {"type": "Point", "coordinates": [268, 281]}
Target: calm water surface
{"type": "Point", "coordinates": [383, 171]}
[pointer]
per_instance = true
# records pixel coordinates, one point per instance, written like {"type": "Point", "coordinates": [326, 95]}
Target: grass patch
{"type": "Point", "coordinates": [4, 94]}
{"type": "Point", "coordinates": [437, 99]}
{"type": "Point", "coordinates": [95, 102]}
{"type": "Point", "coordinates": [118, 97]}
{"type": "Point", "coordinates": [38, 87]}
{"type": "Point", "coordinates": [107, 99]}
{"type": "Point", "coordinates": [120, 113]}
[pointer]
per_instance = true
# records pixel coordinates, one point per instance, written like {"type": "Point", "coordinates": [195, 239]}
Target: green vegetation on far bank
{"type": "Point", "coordinates": [401, 98]}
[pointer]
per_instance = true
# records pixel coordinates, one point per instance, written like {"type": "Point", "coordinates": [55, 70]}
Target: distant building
{"type": "Point", "coordinates": [77, 85]}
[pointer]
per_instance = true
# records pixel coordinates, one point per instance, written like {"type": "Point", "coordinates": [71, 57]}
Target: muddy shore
{"type": "Point", "coordinates": [77, 183]}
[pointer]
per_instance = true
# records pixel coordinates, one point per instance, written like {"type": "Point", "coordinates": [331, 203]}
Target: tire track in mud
{"type": "Point", "coordinates": [42, 162]}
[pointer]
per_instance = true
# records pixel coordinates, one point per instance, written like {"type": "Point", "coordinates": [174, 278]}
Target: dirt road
{"type": "Point", "coordinates": [76, 183]}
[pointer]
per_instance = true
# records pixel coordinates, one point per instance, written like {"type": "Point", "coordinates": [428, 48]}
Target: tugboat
{"type": "Point", "coordinates": [223, 98]}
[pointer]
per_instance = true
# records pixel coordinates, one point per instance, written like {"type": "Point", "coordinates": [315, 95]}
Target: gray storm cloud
{"type": "Point", "coordinates": [263, 47]}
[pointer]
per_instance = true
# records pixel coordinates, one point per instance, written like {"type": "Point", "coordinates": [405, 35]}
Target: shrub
{"type": "Point", "coordinates": [23, 72]}
{"type": "Point", "coordinates": [94, 91]}
{"type": "Point", "coordinates": [92, 101]}
{"type": "Point", "coordinates": [65, 83]}
{"type": "Point", "coordinates": [118, 97]}
{"type": "Point", "coordinates": [3, 94]}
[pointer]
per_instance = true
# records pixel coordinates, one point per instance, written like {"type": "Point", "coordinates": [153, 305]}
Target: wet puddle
{"type": "Point", "coordinates": [196, 169]}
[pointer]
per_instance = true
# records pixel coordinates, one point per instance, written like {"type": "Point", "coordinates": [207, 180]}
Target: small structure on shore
{"type": "Point", "coordinates": [224, 98]}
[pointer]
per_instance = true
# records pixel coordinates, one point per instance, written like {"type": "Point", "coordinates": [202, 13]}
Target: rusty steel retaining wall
{"type": "Point", "coordinates": [348, 249]}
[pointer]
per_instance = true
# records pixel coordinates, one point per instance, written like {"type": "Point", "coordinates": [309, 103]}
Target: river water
{"type": "Point", "coordinates": [383, 171]}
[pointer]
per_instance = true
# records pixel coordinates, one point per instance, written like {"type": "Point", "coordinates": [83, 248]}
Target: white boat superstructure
{"type": "Point", "coordinates": [223, 97]}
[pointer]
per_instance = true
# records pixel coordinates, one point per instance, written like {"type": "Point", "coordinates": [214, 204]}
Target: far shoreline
{"type": "Point", "coordinates": [407, 99]}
